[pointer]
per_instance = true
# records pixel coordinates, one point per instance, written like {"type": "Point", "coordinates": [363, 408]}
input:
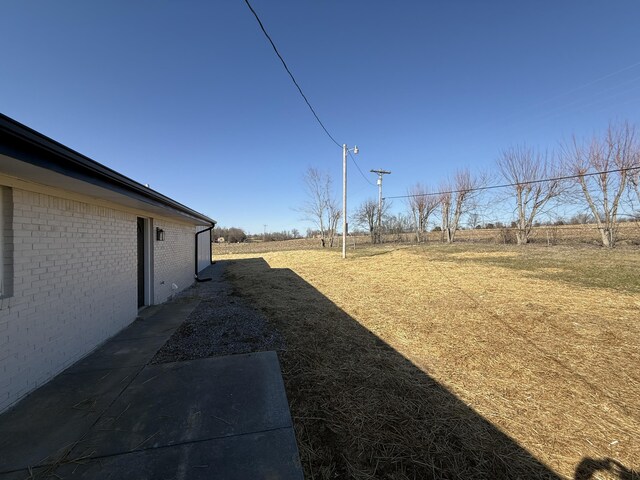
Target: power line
{"type": "Point", "coordinates": [592, 82]}
{"type": "Point", "coordinates": [608, 94]}
{"type": "Point", "coordinates": [284, 64]}
{"type": "Point", "coordinates": [518, 116]}
{"type": "Point", "coordinates": [361, 172]}
{"type": "Point", "coordinates": [505, 185]}
{"type": "Point", "coordinates": [561, 227]}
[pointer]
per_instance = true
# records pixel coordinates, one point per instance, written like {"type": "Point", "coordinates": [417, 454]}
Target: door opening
{"type": "Point", "coordinates": [141, 257]}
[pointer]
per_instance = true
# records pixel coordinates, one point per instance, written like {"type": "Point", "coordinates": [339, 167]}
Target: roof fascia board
{"type": "Point", "coordinates": [27, 145]}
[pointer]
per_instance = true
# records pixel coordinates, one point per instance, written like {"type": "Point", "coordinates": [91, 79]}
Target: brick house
{"type": "Point", "coordinates": [83, 248]}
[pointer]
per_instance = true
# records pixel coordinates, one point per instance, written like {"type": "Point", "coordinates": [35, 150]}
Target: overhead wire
{"type": "Point", "coordinates": [538, 109]}
{"type": "Point", "coordinates": [516, 184]}
{"type": "Point", "coordinates": [592, 82]}
{"type": "Point", "coordinates": [297, 85]}
{"type": "Point", "coordinates": [286, 67]}
{"type": "Point", "coordinates": [606, 95]}
{"type": "Point", "coordinates": [361, 172]}
{"type": "Point", "coordinates": [295, 82]}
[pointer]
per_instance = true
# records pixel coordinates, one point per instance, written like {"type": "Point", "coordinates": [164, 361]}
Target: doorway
{"type": "Point", "coordinates": [141, 261]}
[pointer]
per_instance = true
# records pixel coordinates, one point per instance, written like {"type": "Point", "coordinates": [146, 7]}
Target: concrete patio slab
{"type": "Point", "coordinates": [163, 322]}
{"type": "Point", "coordinates": [266, 455]}
{"type": "Point", "coordinates": [50, 420]}
{"type": "Point", "coordinates": [224, 417]}
{"type": "Point", "coordinates": [135, 352]}
{"type": "Point", "coordinates": [175, 403]}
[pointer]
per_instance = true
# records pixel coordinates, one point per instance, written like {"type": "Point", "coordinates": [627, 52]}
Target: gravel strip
{"type": "Point", "coordinates": [221, 324]}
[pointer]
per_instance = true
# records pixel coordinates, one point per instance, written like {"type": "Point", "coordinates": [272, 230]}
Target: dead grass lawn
{"type": "Point", "coordinates": [477, 361]}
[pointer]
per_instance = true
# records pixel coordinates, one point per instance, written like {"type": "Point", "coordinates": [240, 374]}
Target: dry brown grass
{"type": "Point", "coordinates": [457, 362]}
{"type": "Point", "coordinates": [263, 247]}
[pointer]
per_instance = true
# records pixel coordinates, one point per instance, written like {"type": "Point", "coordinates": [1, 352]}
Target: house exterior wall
{"type": "Point", "coordinates": [75, 283]}
{"type": "Point", "coordinates": [204, 249]}
{"type": "Point", "coordinates": [174, 259]}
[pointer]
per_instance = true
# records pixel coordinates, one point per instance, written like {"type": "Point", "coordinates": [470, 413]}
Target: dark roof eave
{"type": "Point", "coordinates": [25, 144]}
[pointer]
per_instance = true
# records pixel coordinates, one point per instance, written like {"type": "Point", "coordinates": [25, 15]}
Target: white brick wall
{"type": "Point", "coordinates": [75, 284]}
{"type": "Point", "coordinates": [174, 259]}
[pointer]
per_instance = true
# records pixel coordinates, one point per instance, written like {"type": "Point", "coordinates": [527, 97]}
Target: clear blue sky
{"type": "Point", "coordinates": [189, 97]}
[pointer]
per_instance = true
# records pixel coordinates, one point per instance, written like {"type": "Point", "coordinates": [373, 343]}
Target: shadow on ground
{"type": "Point", "coordinates": [591, 469]}
{"type": "Point", "coordinates": [361, 410]}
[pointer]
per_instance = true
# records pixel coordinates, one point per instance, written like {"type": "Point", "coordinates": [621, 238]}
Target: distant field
{"type": "Point", "coordinates": [260, 247]}
{"type": "Point", "coordinates": [462, 361]}
{"type": "Point", "coordinates": [553, 235]}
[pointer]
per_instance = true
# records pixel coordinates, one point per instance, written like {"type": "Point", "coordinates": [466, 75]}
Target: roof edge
{"type": "Point", "coordinates": [65, 160]}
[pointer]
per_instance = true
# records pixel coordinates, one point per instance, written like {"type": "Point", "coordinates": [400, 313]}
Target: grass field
{"type": "Point", "coordinates": [462, 361]}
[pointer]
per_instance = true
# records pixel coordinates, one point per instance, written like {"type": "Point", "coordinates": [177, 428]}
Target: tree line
{"type": "Point", "coordinates": [598, 178]}
{"type": "Point", "coordinates": [238, 235]}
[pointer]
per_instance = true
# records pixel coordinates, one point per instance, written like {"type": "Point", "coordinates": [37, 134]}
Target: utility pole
{"type": "Point", "coordinates": [345, 151]}
{"type": "Point", "coordinates": [344, 200]}
{"type": "Point", "coordinates": [380, 174]}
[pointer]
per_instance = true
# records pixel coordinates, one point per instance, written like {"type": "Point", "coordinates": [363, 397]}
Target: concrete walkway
{"type": "Point", "coordinates": [113, 416]}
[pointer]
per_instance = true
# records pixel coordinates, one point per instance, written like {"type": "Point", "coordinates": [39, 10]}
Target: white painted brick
{"type": "Point", "coordinates": [57, 313]}
{"type": "Point", "coordinates": [174, 259]}
{"type": "Point", "coordinates": [75, 284]}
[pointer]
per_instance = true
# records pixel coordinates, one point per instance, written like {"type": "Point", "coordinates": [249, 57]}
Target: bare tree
{"type": "Point", "coordinates": [612, 157]}
{"type": "Point", "coordinates": [397, 225]}
{"type": "Point", "coordinates": [366, 216]}
{"type": "Point", "coordinates": [473, 220]}
{"type": "Point", "coordinates": [445, 199]}
{"type": "Point", "coordinates": [421, 205]}
{"type": "Point", "coordinates": [520, 166]}
{"type": "Point", "coordinates": [455, 200]}
{"type": "Point", "coordinates": [581, 218]}
{"type": "Point", "coordinates": [634, 188]}
{"type": "Point", "coordinates": [321, 207]}
{"type": "Point", "coordinates": [634, 176]}
{"type": "Point", "coordinates": [334, 214]}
